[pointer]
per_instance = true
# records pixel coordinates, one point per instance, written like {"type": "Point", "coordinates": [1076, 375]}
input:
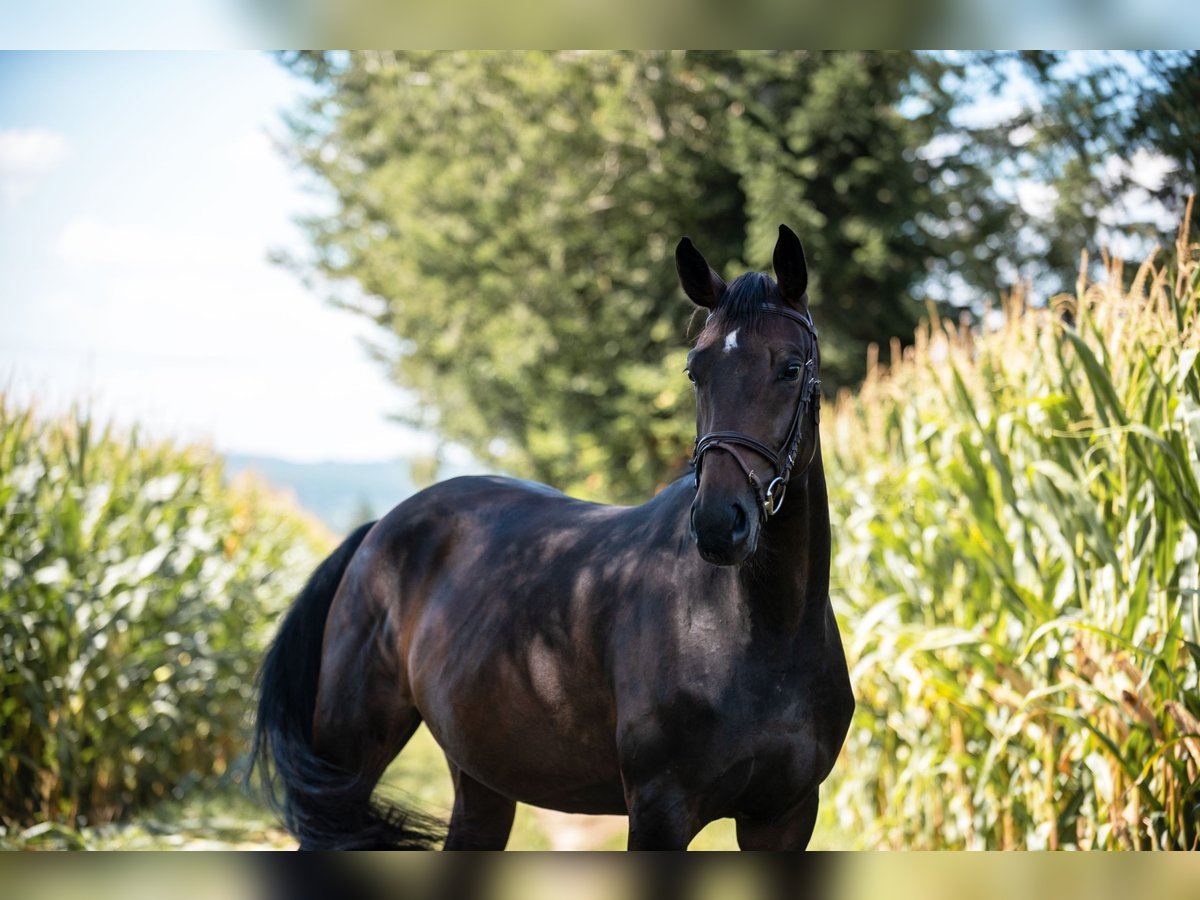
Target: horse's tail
{"type": "Point", "coordinates": [324, 806]}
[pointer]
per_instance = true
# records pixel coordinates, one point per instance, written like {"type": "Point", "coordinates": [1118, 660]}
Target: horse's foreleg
{"type": "Point", "coordinates": [482, 819]}
{"type": "Point", "coordinates": [660, 817]}
{"type": "Point", "coordinates": [790, 831]}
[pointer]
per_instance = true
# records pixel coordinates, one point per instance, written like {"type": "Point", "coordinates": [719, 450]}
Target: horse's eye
{"type": "Point", "coordinates": [691, 377]}
{"type": "Point", "coordinates": [791, 373]}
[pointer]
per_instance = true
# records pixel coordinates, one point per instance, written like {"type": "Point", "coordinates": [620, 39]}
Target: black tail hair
{"type": "Point", "coordinates": [324, 806]}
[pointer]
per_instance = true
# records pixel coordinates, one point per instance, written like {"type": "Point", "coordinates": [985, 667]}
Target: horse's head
{"type": "Point", "coordinates": [755, 369]}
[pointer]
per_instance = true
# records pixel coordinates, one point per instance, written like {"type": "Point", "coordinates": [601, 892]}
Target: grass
{"type": "Point", "coordinates": [227, 819]}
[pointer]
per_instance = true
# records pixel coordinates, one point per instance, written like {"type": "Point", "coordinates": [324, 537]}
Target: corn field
{"type": "Point", "coordinates": [1015, 516]}
{"type": "Point", "coordinates": [135, 595]}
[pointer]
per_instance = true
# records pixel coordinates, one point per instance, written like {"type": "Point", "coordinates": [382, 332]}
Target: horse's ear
{"type": "Point", "coordinates": [790, 269]}
{"type": "Point", "coordinates": [703, 286]}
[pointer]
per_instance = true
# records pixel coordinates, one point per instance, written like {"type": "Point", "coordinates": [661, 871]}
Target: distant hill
{"type": "Point", "coordinates": [341, 494]}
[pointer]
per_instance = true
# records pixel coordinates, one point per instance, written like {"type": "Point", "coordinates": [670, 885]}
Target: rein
{"type": "Point", "coordinates": [784, 459]}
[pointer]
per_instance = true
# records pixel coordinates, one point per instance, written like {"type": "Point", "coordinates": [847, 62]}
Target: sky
{"type": "Point", "coordinates": [140, 196]}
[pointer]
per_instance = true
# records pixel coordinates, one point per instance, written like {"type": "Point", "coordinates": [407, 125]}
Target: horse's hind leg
{"type": "Point", "coordinates": [482, 819]}
{"type": "Point", "coordinates": [367, 744]}
{"type": "Point", "coordinates": [363, 718]}
{"type": "Point", "coordinates": [364, 711]}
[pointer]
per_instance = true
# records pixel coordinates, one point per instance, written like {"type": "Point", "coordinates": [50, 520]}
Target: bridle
{"type": "Point", "coordinates": [783, 460]}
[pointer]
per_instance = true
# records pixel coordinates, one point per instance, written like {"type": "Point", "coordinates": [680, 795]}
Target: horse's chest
{"type": "Point", "coordinates": [748, 742]}
{"type": "Point", "coordinates": [774, 725]}
{"type": "Point", "coordinates": [764, 764]}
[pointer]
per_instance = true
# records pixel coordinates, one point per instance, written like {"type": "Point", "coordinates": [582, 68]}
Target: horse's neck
{"type": "Point", "coordinates": [788, 581]}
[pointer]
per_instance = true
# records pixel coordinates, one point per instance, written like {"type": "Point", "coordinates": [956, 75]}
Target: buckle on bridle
{"type": "Point", "coordinates": [773, 497]}
{"type": "Point", "coordinates": [812, 393]}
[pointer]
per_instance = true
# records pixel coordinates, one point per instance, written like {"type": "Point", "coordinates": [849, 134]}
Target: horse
{"type": "Point", "coordinates": [677, 662]}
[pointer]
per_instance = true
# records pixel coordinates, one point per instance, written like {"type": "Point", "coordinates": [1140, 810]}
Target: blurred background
{"type": "Point", "coordinates": [252, 300]}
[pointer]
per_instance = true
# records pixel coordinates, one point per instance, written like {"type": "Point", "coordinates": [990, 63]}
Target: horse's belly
{"type": "Point", "coordinates": [530, 761]}
{"type": "Point", "coordinates": [534, 725]}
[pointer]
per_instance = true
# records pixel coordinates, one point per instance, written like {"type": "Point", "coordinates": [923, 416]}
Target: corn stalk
{"type": "Point", "coordinates": [1016, 513]}
{"type": "Point", "coordinates": [135, 593]}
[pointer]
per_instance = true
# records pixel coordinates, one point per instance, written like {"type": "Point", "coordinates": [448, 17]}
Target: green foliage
{"type": "Point", "coordinates": [893, 199]}
{"type": "Point", "coordinates": [1168, 120]}
{"type": "Point", "coordinates": [1016, 529]}
{"type": "Point", "coordinates": [1097, 114]}
{"type": "Point", "coordinates": [135, 592]}
{"type": "Point", "coordinates": [509, 220]}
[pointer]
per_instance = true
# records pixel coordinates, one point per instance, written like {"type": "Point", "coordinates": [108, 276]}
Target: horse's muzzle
{"type": "Point", "coordinates": [726, 533]}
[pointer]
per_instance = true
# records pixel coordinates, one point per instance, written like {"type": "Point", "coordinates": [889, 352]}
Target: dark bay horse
{"type": "Point", "coordinates": [678, 661]}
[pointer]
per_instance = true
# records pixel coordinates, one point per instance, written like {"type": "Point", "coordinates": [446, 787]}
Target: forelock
{"type": "Point", "coordinates": [742, 305]}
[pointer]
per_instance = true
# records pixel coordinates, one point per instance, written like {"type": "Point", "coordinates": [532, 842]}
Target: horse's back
{"type": "Point", "coordinates": [512, 516]}
{"type": "Point", "coordinates": [476, 499]}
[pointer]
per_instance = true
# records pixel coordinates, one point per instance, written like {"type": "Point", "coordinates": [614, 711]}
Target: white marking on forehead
{"type": "Point", "coordinates": [731, 340]}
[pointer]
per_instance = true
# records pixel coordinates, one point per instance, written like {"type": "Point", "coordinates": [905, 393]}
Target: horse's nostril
{"type": "Point", "coordinates": [741, 527]}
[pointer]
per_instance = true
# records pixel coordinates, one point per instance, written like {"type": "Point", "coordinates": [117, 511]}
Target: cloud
{"type": "Point", "coordinates": [251, 150]}
{"type": "Point", "coordinates": [107, 243]}
{"type": "Point", "coordinates": [90, 241]}
{"type": "Point", "coordinates": [27, 155]}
